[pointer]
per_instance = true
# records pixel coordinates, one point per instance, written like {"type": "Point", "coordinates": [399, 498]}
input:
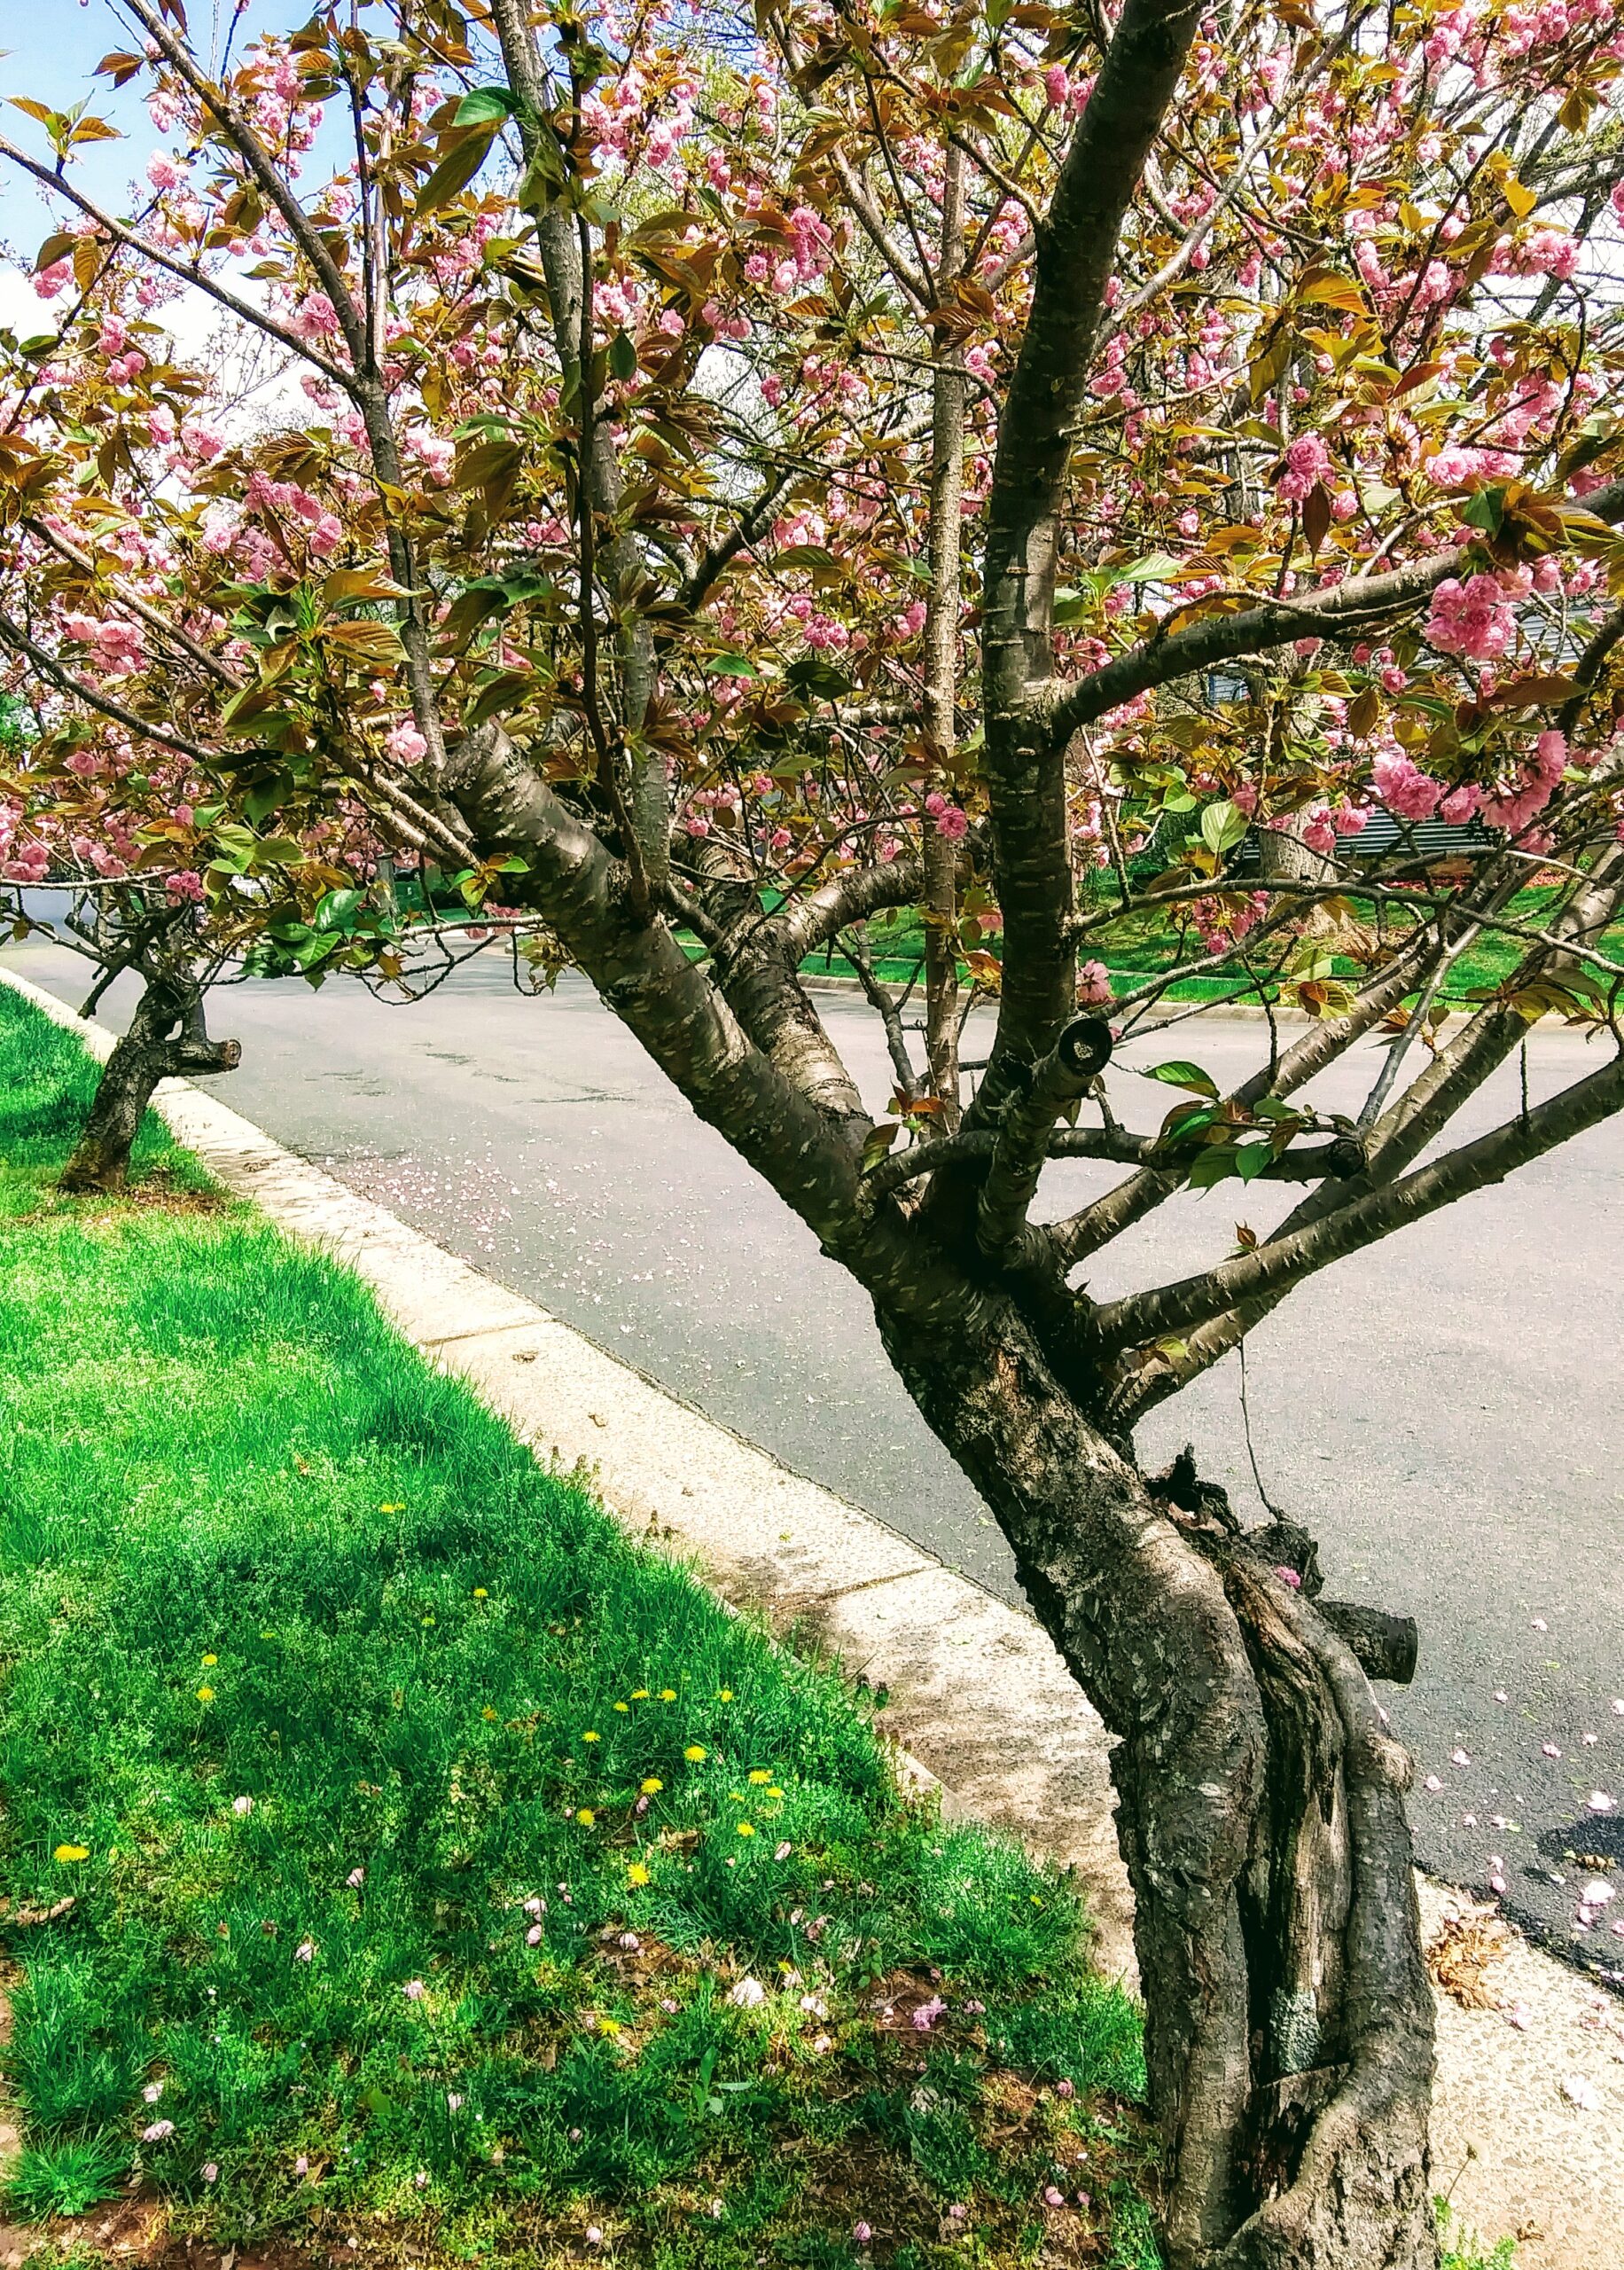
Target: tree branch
{"type": "Point", "coordinates": [1024, 767]}
{"type": "Point", "coordinates": [1082, 1051]}
{"type": "Point", "coordinates": [1283, 1261]}
{"type": "Point", "coordinates": [118, 234]}
{"type": "Point", "coordinates": [1343, 610]}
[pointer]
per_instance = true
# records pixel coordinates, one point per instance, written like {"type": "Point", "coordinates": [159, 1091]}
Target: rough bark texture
{"type": "Point", "coordinates": [143, 1055]}
{"type": "Point", "coordinates": [1289, 2024]}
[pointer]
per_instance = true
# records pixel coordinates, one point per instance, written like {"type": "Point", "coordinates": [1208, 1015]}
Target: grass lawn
{"type": "Point", "coordinates": [448, 1874]}
{"type": "Point", "coordinates": [1145, 945]}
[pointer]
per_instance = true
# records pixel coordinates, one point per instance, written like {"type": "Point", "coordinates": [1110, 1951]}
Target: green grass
{"type": "Point", "coordinates": [1145, 945]}
{"type": "Point", "coordinates": [302, 1652]}
{"type": "Point", "coordinates": [1463, 2250]}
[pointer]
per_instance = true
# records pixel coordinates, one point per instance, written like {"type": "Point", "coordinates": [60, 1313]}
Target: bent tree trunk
{"type": "Point", "coordinates": [143, 1055]}
{"type": "Point", "coordinates": [1289, 2018]}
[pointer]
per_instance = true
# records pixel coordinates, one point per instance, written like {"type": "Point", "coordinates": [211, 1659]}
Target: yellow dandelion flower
{"type": "Point", "coordinates": [694, 1754]}
{"type": "Point", "coordinates": [667, 1694]}
{"type": "Point", "coordinates": [737, 1796]}
{"type": "Point", "coordinates": [724, 1694]}
{"type": "Point", "coordinates": [652, 1787]}
{"type": "Point", "coordinates": [479, 1593]}
{"type": "Point", "coordinates": [209, 1661]}
{"type": "Point", "coordinates": [775, 1792]}
{"type": "Point", "coordinates": [623, 1707]}
{"type": "Point", "coordinates": [611, 2026]}
{"type": "Point", "coordinates": [760, 1778]}
{"type": "Point", "coordinates": [65, 1852]}
{"type": "Point", "coordinates": [587, 1817]}
{"type": "Point", "coordinates": [743, 1828]}
{"type": "Point", "coordinates": [205, 1693]}
{"type": "Point", "coordinates": [392, 1509]}
{"type": "Point", "coordinates": [637, 1873]}
{"type": "Point", "coordinates": [488, 1715]}
{"type": "Point", "coordinates": [639, 1695]}
{"type": "Point", "coordinates": [590, 1737]}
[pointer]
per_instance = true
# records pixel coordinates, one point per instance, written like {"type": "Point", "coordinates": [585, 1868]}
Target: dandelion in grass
{"type": "Point", "coordinates": [744, 1829]}
{"type": "Point", "coordinates": [759, 1778]}
{"type": "Point", "coordinates": [667, 1694]}
{"type": "Point", "coordinates": [68, 1853]}
{"type": "Point", "coordinates": [209, 1661]}
{"type": "Point", "coordinates": [479, 1593]}
{"type": "Point", "coordinates": [624, 1708]}
{"type": "Point", "coordinates": [639, 1695]}
{"type": "Point", "coordinates": [586, 1817]}
{"type": "Point", "coordinates": [724, 1694]}
{"type": "Point", "coordinates": [774, 1790]}
{"type": "Point", "coordinates": [637, 1874]}
{"type": "Point", "coordinates": [694, 1754]}
{"type": "Point", "coordinates": [653, 1786]}
{"type": "Point", "coordinates": [590, 1737]}
{"type": "Point", "coordinates": [488, 1715]}
{"type": "Point", "coordinates": [205, 1693]}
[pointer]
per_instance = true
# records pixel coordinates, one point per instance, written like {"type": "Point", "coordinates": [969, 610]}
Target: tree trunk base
{"type": "Point", "coordinates": [145, 1056]}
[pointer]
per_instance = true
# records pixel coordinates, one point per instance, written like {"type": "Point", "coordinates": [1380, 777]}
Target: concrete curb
{"type": "Point", "coordinates": [978, 1696]}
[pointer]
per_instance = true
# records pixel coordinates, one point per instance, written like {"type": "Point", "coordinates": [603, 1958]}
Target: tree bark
{"type": "Point", "coordinates": [1288, 2019]}
{"type": "Point", "coordinates": [143, 1055]}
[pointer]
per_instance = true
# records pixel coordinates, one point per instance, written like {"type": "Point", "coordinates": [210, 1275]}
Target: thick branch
{"type": "Point", "coordinates": [1348, 609]}
{"type": "Point", "coordinates": [1081, 1052]}
{"type": "Point", "coordinates": [1283, 1261]}
{"type": "Point", "coordinates": [1076, 251]}
{"type": "Point", "coordinates": [647, 980]}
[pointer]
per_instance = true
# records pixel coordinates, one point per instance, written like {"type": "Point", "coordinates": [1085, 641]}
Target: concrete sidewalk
{"type": "Point", "coordinates": [1528, 2128]}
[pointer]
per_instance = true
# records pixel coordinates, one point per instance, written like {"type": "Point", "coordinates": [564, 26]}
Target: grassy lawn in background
{"type": "Point", "coordinates": [449, 1872]}
{"type": "Point", "coordinates": [1145, 945]}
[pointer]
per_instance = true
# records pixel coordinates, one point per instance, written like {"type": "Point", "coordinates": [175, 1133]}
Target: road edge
{"type": "Point", "coordinates": [975, 1695]}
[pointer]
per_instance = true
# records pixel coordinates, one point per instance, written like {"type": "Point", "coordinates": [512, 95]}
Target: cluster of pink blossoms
{"type": "Point", "coordinates": [1308, 460]}
{"type": "Point", "coordinates": [1517, 798]}
{"type": "Point", "coordinates": [1476, 619]}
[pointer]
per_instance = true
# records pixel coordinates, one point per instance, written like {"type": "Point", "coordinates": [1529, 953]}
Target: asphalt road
{"type": "Point", "coordinates": [1445, 1411]}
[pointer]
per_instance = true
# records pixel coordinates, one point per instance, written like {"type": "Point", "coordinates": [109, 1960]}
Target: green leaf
{"type": "Point", "coordinates": [731, 666]}
{"type": "Point", "coordinates": [457, 168]}
{"type": "Point", "coordinates": [1216, 1163]}
{"type": "Point", "coordinates": [810, 674]}
{"type": "Point", "coordinates": [1155, 567]}
{"type": "Point", "coordinates": [1181, 1074]}
{"type": "Point", "coordinates": [1222, 827]}
{"type": "Point", "coordinates": [879, 1142]}
{"type": "Point", "coordinates": [1251, 1158]}
{"type": "Point", "coordinates": [485, 107]}
{"type": "Point", "coordinates": [622, 356]}
{"type": "Point", "coordinates": [336, 910]}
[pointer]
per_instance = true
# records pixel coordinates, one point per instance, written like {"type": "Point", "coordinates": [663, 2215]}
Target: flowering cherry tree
{"type": "Point", "coordinates": [1059, 477]}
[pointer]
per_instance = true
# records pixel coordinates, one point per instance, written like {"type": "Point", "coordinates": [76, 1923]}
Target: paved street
{"type": "Point", "coordinates": [1445, 1411]}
